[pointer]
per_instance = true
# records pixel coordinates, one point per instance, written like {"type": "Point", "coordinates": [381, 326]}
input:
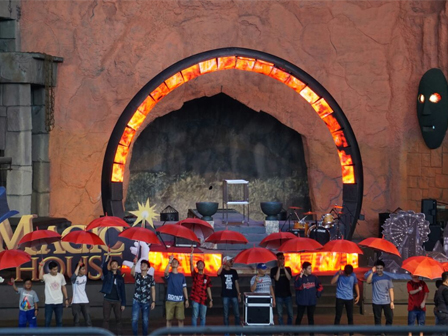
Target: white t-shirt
{"type": "Point", "coordinates": [53, 288]}
{"type": "Point", "coordinates": [79, 290]}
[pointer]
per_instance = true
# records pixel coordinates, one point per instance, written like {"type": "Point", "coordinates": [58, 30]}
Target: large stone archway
{"type": "Point", "coordinates": [313, 92]}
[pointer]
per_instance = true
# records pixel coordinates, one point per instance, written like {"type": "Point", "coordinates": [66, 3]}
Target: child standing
{"type": "Point", "coordinates": [80, 302]}
{"type": "Point", "coordinates": [27, 304]}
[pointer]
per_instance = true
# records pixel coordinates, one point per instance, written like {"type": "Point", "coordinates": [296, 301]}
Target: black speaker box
{"type": "Point", "coordinates": [434, 236]}
{"type": "Point", "coordinates": [429, 208]}
{"type": "Point", "coordinates": [258, 315]}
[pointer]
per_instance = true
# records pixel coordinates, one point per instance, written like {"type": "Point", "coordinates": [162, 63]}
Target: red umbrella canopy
{"type": "Point", "coordinates": [13, 258]}
{"type": "Point", "coordinates": [276, 239]}
{"type": "Point", "coordinates": [381, 245]}
{"type": "Point", "coordinates": [39, 237]}
{"type": "Point", "coordinates": [255, 255]}
{"type": "Point", "coordinates": [106, 221]}
{"type": "Point", "coordinates": [227, 237]}
{"type": "Point", "coordinates": [83, 237]}
{"type": "Point", "coordinates": [178, 231]}
{"type": "Point", "coordinates": [299, 244]}
{"type": "Point", "coordinates": [341, 246]}
{"type": "Point", "coordinates": [423, 266]}
{"type": "Point", "coordinates": [140, 234]}
{"type": "Point", "coordinates": [198, 226]}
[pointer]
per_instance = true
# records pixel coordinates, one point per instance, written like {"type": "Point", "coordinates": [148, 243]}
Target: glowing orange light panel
{"type": "Point", "coordinates": [117, 172]}
{"type": "Point", "coordinates": [244, 63]}
{"type": "Point", "coordinates": [121, 154]}
{"type": "Point", "coordinates": [175, 81]}
{"type": "Point", "coordinates": [263, 67]}
{"type": "Point", "coordinates": [339, 139]}
{"type": "Point", "coordinates": [191, 72]}
{"type": "Point", "coordinates": [295, 84]}
{"type": "Point", "coordinates": [208, 66]}
{"type": "Point", "coordinates": [136, 120]}
{"type": "Point", "coordinates": [160, 92]}
{"type": "Point", "coordinates": [279, 75]}
{"type": "Point", "coordinates": [146, 106]}
{"type": "Point", "coordinates": [159, 260]}
{"type": "Point", "coordinates": [322, 108]}
{"type": "Point", "coordinates": [225, 63]}
{"type": "Point", "coordinates": [309, 95]}
{"type": "Point", "coordinates": [127, 136]}
{"type": "Point", "coordinates": [320, 261]}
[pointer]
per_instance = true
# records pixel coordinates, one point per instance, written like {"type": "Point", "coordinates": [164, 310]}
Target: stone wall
{"type": "Point", "coordinates": [368, 55]}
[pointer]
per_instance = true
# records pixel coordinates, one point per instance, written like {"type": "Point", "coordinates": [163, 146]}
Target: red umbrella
{"type": "Point", "coordinates": [341, 246]}
{"type": "Point", "coordinates": [140, 234]}
{"type": "Point", "coordinates": [255, 255]}
{"type": "Point", "coordinates": [300, 244]}
{"type": "Point", "coordinates": [276, 239]}
{"type": "Point", "coordinates": [227, 237]}
{"type": "Point", "coordinates": [178, 231]}
{"type": "Point", "coordinates": [39, 237]}
{"type": "Point", "coordinates": [381, 245]}
{"type": "Point", "coordinates": [13, 258]}
{"type": "Point", "coordinates": [83, 237]}
{"type": "Point", "coordinates": [198, 226]}
{"type": "Point", "coordinates": [106, 221]}
{"type": "Point", "coordinates": [423, 266]}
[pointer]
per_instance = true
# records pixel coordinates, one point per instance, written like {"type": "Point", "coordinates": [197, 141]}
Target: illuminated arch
{"type": "Point", "coordinates": [241, 59]}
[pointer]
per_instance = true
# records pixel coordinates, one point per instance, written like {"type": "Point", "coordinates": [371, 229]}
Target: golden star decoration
{"type": "Point", "coordinates": [145, 213]}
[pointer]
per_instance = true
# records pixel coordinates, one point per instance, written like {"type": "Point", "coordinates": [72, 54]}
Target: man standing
{"type": "Point", "coordinates": [262, 283]}
{"type": "Point", "coordinates": [346, 280]}
{"type": "Point", "coordinates": [80, 301]}
{"type": "Point", "coordinates": [418, 293]}
{"type": "Point", "coordinates": [441, 301]}
{"type": "Point", "coordinates": [281, 276]}
{"type": "Point", "coordinates": [308, 289]}
{"type": "Point", "coordinates": [55, 293]}
{"type": "Point", "coordinates": [199, 291]}
{"type": "Point", "coordinates": [144, 296]}
{"type": "Point", "coordinates": [230, 290]}
{"type": "Point", "coordinates": [114, 292]}
{"type": "Point", "coordinates": [382, 293]}
{"type": "Point", "coordinates": [175, 294]}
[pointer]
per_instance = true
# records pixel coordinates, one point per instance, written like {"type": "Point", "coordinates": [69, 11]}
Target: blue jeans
{"type": "Point", "coordinates": [57, 309]}
{"type": "Point", "coordinates": [418, 315]}
{"type": "Point", "coordinates": [145, 308]}
{"type": "Point", "coordinates": [198, 310]}
{"type": "Point", "coordinates": [236, 309]}
{"type": "Point", "coordinates": [287, 301]}
{"type": "Point", "coordinates": [29, 317]}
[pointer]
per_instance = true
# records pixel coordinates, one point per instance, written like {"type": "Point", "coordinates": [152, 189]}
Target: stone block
{"type": "Point", "coordinates": [2, 133]}
{"type": "Point", "coordinates": [41, 176]}
{"type": "Point", "coordinates": [413, 181]}
{"type": "Point", "coordinates": [435, 193]}
{"type": "Point", "coordinates": [271, 226]}
{"type": "Point", "coordinates": [8, 45]}
{"type": "Point", "coordinates": [40, 204]}
{"type": "Point", "coordinates": [19, 180]}
{"type": "Point", "coordinates": [436, 157]}
{"type": "Point", "coordinates": [414, 194]}
{"type": "Point", "coordinates": [38, 119]}
{"type": "Point", "coordinates": [441, 181]}
{"type": "Point", "coordinates": [414, 164]}
{"type": "Point", "coordinates": [37, 95]}
{"type": "Point", "coordinates": [40, 147]}
{"type": "Point", "coordinates": [3, 111]}
{"type": "Point", "coordinates": [16, 94]}
{"type": "Point", "coordinates": [19, 118]}
{"type": "Point", "coordinates": [445, 163]}
{"type": "Point", "coordinates": [20, 203]}
{"type": "Point", "coordinates": [426, 160]}
{"type": "Point", "coordinates": [423, 182]}
{"type": "Point", "coordinates": [18, 146]}
{"type": "Point", "coordinates": [7, 29]}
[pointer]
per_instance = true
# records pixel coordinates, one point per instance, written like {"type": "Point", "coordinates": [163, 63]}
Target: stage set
{"type": "Point", "coordinates": [315, 128]}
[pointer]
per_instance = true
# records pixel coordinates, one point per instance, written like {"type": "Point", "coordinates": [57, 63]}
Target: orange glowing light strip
{"type": "Point", "coordinates": [159, 260]}
{"type": "Point", "coordinates": [121, 154]}
{"type": "Point", "coordinates": [117, 172]}
{"type": "Point", "coordinates": [127, 136]}
{"type": "Point", "coordinates": [263, 67]}
{"type": "Point", "coordinates": [321, 261]}
{"type": "Point", "coordinates": [339, 139]}
{"type": "Point", "coordinates": [225, 63]}
{"type": "Point", "coordinates": [322, 108]}
{"type": "Point", "coordinates": [191, 72]}
{"type": "Point", "coordinates": [244, 63]}
{"type": "Point", "coordinates": [279, 75]}
{"type": "Point", "coordinates": [309, 95]}
{"type": "Point", "coordinates": [348, 175]}
{"type": "Point", "coordinates": [161, 91]}
{"type": "Point", "coordinates": [136, 120]}
{"type": "Point", "coordinates": [295, 84]}
{"type": "Point", "coordinates": [346, 159]}
{"type": "Point", "coordinates": [208, 66]}
{"type": "Point", "coordinates": [332, 123]}
{"type": "Point", "coordinates": [146, 106]}
{"type": "Point", "coordinates": [175, 81]}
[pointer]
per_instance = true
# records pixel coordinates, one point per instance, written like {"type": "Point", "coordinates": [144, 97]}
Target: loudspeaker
{"type": "Point", "coordinates": [382, 219]}
{"type": "Point", "coordinates": [429, 208]}
{"type": "Point", "coordinates": [182, 242]}
{"type": "Point", "coordinates": [258, 315]}
{"type": "Point", "coordinates": [434, 236]}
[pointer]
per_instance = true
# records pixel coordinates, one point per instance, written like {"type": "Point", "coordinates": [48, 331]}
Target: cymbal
{"type": "Point", "coordinates": [309, 213]}
{"type": "Point", "coordinates": [337, 206]}
{"type": "Point", "coordinates": [295, 208]}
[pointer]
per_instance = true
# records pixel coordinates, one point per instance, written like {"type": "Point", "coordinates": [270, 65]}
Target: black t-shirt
{"type": "Point", "coordinates": [228, 279]}
{"type": "Point", "coordinates": [282, 286]}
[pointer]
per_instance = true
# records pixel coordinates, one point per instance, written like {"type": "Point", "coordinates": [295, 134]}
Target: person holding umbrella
{"type": "Point", "coordinates": [281, 276]}
{"type": "Point", "coordinates": [28, 308]}
{"type": "Point", "coordinates": [382, 293]}
{"type": "Point", "coordinates": [346, 280]}
{"type": "Point", "coordinates": [199, 291]}
{"type": "Point", "coordinates": [80, 301]}
{"type": "Point", "coordinates": [230, 290]}
{"type": "Point", "coordinates": [418, 293]}
{"type": "Point", "coordinates": [55, 293]}
{"type": "Point", "coordinates": [308, 289]}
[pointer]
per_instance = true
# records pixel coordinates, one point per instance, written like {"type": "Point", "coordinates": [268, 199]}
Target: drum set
{"type": "Point", "coordinates": [325, 229]}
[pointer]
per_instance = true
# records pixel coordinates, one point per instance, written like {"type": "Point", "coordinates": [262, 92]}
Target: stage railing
{"type": "Point", "coordinates": [305, 330]}
{"type": "Point", "coordinates": [56, 331]}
